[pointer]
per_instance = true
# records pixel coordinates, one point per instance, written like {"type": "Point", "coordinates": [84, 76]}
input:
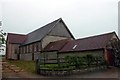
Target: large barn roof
{"type": "Point", "coordinates": [89, 43]}
{"type": "Point", "coordinates": [39, 34]}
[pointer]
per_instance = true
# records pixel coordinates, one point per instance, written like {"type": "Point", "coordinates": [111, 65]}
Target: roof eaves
{"type": "Point", "coordinates": [80, 50]}
{"type": "Point", "coordinates": [68, 29]}
{"type": "Point", "coordinates": [49, 51]}
{"type": "Point", "coordinates": [116, 35]}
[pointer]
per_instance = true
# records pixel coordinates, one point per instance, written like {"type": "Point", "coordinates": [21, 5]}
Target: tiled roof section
{"type": "Point", "coordinates": [56, 46]}
{"type": "Point", "coordinates": [16, 38]}
{"type": "Point", "coordinates": [38, 34]}
{"type": "Point", "coordinates": [89, 43]}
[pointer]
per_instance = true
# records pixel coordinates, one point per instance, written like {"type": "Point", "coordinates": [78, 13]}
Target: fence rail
{"type": "Point", "coordinates": [69, 66]}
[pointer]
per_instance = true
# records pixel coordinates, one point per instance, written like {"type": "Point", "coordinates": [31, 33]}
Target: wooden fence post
{"type": "Point", "coordinates": [37, 66]}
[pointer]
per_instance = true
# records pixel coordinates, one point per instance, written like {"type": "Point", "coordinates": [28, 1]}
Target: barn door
{"type": "Point", "coordinates": [111, 57]}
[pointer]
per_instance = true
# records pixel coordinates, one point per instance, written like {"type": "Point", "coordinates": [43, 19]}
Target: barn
{"type": "Point", "coordinates": [96, 45]}
{"type": "Point", "coordinates": [28, 46]}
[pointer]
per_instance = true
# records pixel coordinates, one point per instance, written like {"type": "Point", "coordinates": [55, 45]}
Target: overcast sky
{"type": "Point", "coordinates": [83, 17]}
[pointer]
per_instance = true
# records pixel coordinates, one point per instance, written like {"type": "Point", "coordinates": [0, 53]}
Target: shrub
{"type": "Point", "coordinates": [74, 61]}
{"type": "Point", "coordinates": [89, 59]}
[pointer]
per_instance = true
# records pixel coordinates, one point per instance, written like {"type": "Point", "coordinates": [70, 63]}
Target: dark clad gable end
{"type": "Point", "coordinates": [62, 30]}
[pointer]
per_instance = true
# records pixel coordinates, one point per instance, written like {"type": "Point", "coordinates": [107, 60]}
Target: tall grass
{"type": "Point", "coordinates": [28, 66]}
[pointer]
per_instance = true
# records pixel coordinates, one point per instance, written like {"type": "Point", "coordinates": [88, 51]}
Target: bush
{"type": "Point", "coordinates": [74, 61]}
{"type": "Point", "coordinates": [84, 61]}
{"type": "Point", "coordinates": [89, 59]}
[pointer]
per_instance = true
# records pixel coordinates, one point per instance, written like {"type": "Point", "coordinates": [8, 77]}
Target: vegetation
{"type": "Point", "coordinates": [2, 38]}
{"type": "Point", "coordinates": [28, 66]}
{"type": "Point", "coordinates": [115, 46]}
{"type": "Point", "coordinates": [75, 62]}
{"type": "Point", "coordinates": [84, 61]}
{"type": "Point", "coordinates": [71, 64]}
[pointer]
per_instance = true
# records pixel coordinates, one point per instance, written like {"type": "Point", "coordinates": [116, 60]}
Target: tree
{"type": "Point", "coordinates": [2, 38]}
{"type": "Point", "coordinates": [114, 46]}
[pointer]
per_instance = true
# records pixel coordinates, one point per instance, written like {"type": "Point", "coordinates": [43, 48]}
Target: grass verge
{"type": "Point", "coordinates": [28, 66]}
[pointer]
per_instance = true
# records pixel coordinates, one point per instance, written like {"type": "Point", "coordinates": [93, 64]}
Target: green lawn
{"type": "Point", "coordinates": [28, 66]}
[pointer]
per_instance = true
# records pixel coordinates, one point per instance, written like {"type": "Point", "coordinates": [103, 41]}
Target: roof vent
{"type": "Point", "coordinates": [51, 47]}
{"type": "Point", "coordinates": [74, 46]}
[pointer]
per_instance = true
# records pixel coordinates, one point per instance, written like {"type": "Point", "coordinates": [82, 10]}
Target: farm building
{"type": "Point", "coordinates": [54, 41]}
{"type": "Point", "coordinates": [28, 47]}
{"type": "Point", "coordinates": [95, 45]}
{"type": "Point", "coordinates": [50, 53]}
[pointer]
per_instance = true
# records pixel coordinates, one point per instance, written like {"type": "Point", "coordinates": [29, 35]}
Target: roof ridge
{"type": "Point", "coordinates": [97, 35]}
{"type": "Point", "coordinates": [17, 34]}
{"type": "Point", "coordinates": [43, 26]}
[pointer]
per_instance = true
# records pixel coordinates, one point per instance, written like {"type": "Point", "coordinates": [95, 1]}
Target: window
{"type": "Point", "coordinates": [74, 46]}
{"type": "Point", "coordinates": [21, 50]}
{"type": "Point", "coordinates": [35, 47]}
{"type": "Point", "coordinates": [16, 51]}
{"type": "Point", "coordinates": [30, 48]}
{"type": "Point", "coordinates": [25, 49]}
{"type": "Point", "coordinates": [39, 46]}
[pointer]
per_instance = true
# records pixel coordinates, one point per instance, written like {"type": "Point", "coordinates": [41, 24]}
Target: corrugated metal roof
{"type": "Point", "coordinates": [38, 34]}
{"type": "Point", "coordinates": [16, 38]}
{"type": "Point", "coordinates": [89, 43]}
{"type": "Point", "coordinates": [56, 46]}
